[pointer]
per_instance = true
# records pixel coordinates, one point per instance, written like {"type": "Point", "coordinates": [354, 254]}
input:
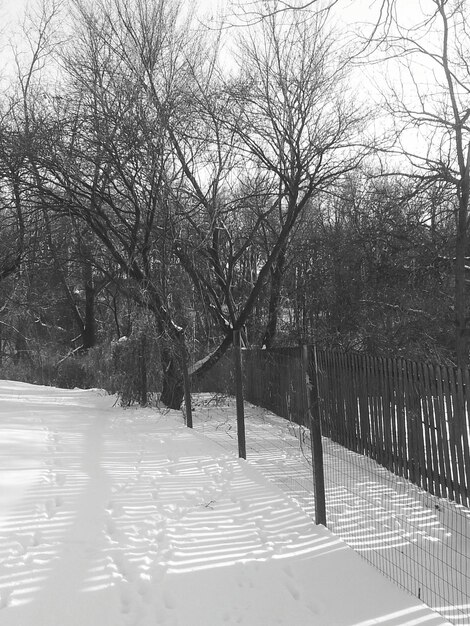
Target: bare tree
{"type": "Point", "coordinates": [153, 146]}
{"type": "Point", "coordinates": [296, 118]}
{"type": "Point", "coordinates": [20, 127]}
{"type": "Point", "coordinates": [105, 159]}
{"type": "Point", "coordinates": [286, 116]}
{"type": "Point", "coordinates": [429, 99]}
{"type": "Point", "coordinates": [287, 122]}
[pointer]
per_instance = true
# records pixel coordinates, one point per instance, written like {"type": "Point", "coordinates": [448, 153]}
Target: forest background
{"type": "Point", "coordinates": [298, 172]}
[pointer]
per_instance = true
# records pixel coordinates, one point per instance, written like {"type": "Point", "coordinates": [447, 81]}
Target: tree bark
{"type": "Point", "coordinates": [461, 321]}
{"type": "Point", "coordinates": [277, 274]}
{"type": "Point", "coordinates": [172, 380]}
{"type": "Point", "coordinates": [88, 330]}
{"type": "Point", "coordinates": [89, 323]}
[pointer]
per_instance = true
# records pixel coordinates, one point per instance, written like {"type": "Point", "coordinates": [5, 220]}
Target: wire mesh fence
{"type": "Point", "coordinates": [419, 540]}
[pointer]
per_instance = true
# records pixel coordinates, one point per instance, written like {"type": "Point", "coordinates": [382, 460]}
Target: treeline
{"type": "Point", "coordinates": [159, 190]}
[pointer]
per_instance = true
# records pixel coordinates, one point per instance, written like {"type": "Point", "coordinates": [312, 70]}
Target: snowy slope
{"type": "Point", "coordinates": [113, 517]}
{"type": "Point", "coordinates": [420, 541]}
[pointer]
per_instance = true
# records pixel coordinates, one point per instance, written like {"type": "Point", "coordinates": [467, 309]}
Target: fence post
{"type": "Point", "coordinates": [310, 385]}
{"type": "Point", "coordinates": [239, 395]}
{"type": "Point", "coordinates": [187, 390]}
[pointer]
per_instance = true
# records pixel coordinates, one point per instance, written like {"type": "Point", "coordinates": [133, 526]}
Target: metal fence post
{"type": "Point", "coordinates": [239, 395]}
{"type": "Point", "coordinates": [310, 385]}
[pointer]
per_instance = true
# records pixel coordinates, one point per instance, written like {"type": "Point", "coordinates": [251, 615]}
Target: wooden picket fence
{"type": "Point", "coordinates": [273, 379]}
{"type": "Point", "coordinates": [412, 418]}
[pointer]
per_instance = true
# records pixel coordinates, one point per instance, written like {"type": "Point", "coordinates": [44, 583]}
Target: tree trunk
{"type": "Point", "coordinates": [21, 345]}
{"type": "Point", "coordinates": [172, 383]}
{"type": "Point", "coordinates": [277, 274]}
{"type": "Point", "coordinates": [89, 322]}
{"type": "Point", "coordinates": [461, 330]}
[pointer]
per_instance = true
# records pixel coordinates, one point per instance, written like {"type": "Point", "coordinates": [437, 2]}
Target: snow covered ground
{"type": "Point", "coordinates": [113, 517]}
{"type": "Point", "coordinates": [418, 540]}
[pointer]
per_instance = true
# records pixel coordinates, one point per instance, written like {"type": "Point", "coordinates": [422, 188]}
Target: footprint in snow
{"type": "Point", "coordinates": [288, 571]}
{"type": "Point", "coordinates": [50, 508]}
{"type": "Point", "coordinates": [60, 479]}
{"type": "Point", "coordinates": [126, 595]}
{"type": "Point", "coordinates": [114, 508]}
{"type": "Point", "coordinates": [32, 540]}
{"type": "Point", "coordinates": [144, 587]}
{"type": "Point", "coordinates": [110, 526]}
{"type": "Point", "coordinates": [293, 590]}
{"type": "Point", "coordinates": [313, 608]}
{"type": "Point", "coordinates": [168, 599]}
{"type": "Point", "coordinates": [5, 596]}
{"type": "Point", "coordinates": [35, 539]}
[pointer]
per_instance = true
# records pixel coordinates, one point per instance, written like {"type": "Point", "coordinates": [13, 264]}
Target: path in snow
{"type": "Point", "coordinates": [112, 517]}
{"type": "Point", "coordinates": [420, 541]}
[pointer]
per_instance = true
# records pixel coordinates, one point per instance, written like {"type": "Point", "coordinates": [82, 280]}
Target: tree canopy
{"type": "Point", "coordinates": [164, 184]}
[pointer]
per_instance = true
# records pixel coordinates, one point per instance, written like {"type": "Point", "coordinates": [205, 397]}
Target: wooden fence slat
{"type": "Point", "coordinates": [320, 367]}
{"type": "Point", "coordinates": [450, 415]}
{"type": "Point", "coordinates": [350, 443]}
{"type": "Point", "coordinates": [432, 431]}
{"type": "Point", "coordinates": [436, 426]}
{"type": "Point", "coordinates": [443, 449]}
{"type": "Point", "coordinates": [411, 434]}
{"type": "Point", "coordinates": [421, 455]}
{"type": "Point", "coordinates": [369, 408]}
{"type": "Point", "coordinates": [377, 410]}
{"type": "Point", "coordinates": [352, 402]}
{"type": "Point", "coordinates": [377, 400]}
{"type": "Point", "coordinates": [398, 451]}
{"type": "Point", "coordinates": [385, 411]}
{"type": "Point", "coordinates": [426, 428]}
{"type": "Point", "coordinates": [329, 391]}
{"type": "Point", "coordinates": [401, 429]}
{"type": "Point", "coordinates": [372, 395]}
{"type": "Point", "coordinates": [362, 403]}
{"type": "Point", "coordinates": [331, 407]}
{"type": "Point", "coordinates": [328, 402]}
{"type": "Point", "coordinates": [457, 441]}
{"type": "Point", "coordinates": [370, 413]}
{"type": "Point", "coordinates": [343, 381]}
{"type": "Point", "coordinates": [391, 375]}
{"type": "Point", "coordinates": [330, 388]}
{"type": "Point", "coordinates": [453, 490]}
{"type": "Point", "coordinates": [389, 413]}
{"type": "Point", "coordinates": [465, 430]}
{"type": "Point", "coordinates": [340, 402]}
{"type": "Point", "coordinates": [465, 435]}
